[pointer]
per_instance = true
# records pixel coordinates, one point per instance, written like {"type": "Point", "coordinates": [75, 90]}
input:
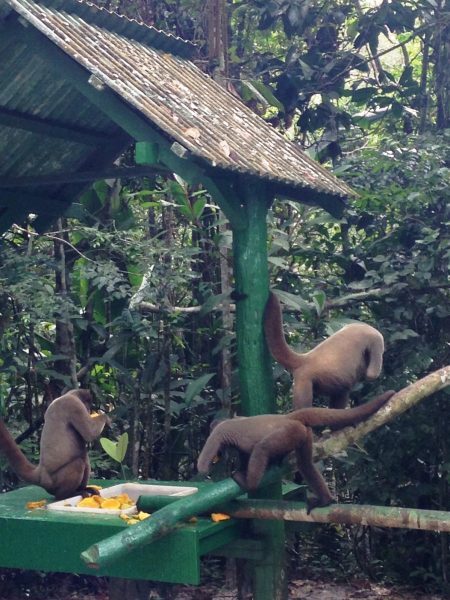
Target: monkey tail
{"type": "Point", "coordinates": [337, 418]}
{"type": "Point", "coordinates": [16, 458]}
{"type": "Point", "coordinates": [273, 327]}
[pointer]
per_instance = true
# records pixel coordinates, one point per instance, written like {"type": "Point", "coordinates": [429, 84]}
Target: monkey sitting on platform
{"type": "Point", "coordinates": [262, 438]}
{"type": "Point", "coordinates": [64, 467]}
{"type": "Point", "coordinates": [333, 367]}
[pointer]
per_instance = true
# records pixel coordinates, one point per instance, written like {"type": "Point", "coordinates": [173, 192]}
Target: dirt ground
{"type": "Point", "coordinates": [27, 586]}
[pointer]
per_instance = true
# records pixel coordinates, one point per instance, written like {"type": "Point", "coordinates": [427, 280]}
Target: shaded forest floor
{"type": "Point", "coordinates": [35, 586]}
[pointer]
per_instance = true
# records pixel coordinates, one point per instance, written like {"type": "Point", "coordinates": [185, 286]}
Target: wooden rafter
{"type": "Point", "coordinates": [51, 128]}
{"type": "Point", "coordinates": [81, 177]}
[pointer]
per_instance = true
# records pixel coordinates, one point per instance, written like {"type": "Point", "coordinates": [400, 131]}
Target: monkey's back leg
{"type": "Point", "coordinates": [70, 478]}
{"type": "Point", "coordinates": [275, 445]}
{"type": "Point", "coordinates": [374, 358]}
{"type": "Point", "coordinates": [311, 474]}
{"type": "Point", "coordinates": [302, 393]}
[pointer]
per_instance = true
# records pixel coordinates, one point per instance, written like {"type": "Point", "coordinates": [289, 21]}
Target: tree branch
{"type": "Point", "coordinates": [399, 403]}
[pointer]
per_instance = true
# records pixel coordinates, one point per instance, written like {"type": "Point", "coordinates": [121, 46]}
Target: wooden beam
{"type": "Point", "coordinates": [51, 128]}
{"type": "Point", "coordinates": [343, 514]}
{"type": "Point", "coordinates": [7, 218]}
{"type": "Point", "coordinates": [81, 177]}
{"type": "Point", "coordinates": [30, 203]}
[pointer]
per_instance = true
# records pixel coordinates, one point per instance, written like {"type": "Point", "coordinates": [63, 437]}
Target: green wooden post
{"type": "Point", "coordinates": [252, 289]}
{"type": "Point", "coordinates": [255, 368]}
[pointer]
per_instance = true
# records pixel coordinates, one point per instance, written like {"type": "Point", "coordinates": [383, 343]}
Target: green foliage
{"type": "Point", "coordinates": [116, 450]}
{"type": "Point", "coordinates": [385, 263]}
{"type": "Point", "coordinates": [364, 85]}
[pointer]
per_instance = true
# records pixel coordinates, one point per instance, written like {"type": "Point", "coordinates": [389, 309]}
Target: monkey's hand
{"type": "Point", "coordinates": [240, 479]}
{"type": "Point", "coordinates": [314, 502]}
{"type": "Point", "coordinates": [103, 416]}
{"type": "Point", "coordinates": [106, 418]}
{"type": "Point", "coordinates": [89, 490]}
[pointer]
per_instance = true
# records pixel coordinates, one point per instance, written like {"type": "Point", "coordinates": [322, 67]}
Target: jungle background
{"type": "Point", "coordinates": [131, 295]}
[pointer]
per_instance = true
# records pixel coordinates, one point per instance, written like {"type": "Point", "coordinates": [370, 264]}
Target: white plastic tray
{"type": "Point", "coordinates": [134, 490]}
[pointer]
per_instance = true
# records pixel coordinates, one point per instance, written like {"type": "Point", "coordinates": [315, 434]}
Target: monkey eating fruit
{"type": "Point", "coordinates": [64, 467]}
{"type": "Point", "coordinates": [333, 367]}
{"type": "Point", "coordinates": [262, 438]}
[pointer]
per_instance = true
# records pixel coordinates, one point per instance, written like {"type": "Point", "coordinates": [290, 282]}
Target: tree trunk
{"type": "Point", "coordinates": [65, 341]}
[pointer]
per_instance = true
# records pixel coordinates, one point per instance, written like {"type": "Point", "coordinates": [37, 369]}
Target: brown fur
{"type": "Point", "coordinates": [333, 367]}
{"type": "Point", "coordinates": [64, 466]}
{"type": "Point", "coordinates": [266, 437]}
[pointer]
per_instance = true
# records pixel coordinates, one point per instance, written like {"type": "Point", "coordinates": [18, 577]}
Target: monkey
{"type": "Point", "coordinates": [333, 367]}
{"type": "Point", "coordinates": [64, 467]}
{"type": "Point", "coordinates": [265, 438]}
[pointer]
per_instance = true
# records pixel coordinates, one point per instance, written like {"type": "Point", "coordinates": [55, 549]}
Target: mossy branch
{"type": "Point", "coordinates": [399, 403]}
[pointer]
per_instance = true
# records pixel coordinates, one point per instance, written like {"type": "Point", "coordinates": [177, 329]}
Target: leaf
{"type": "Point", "coordinates": [196, 386]}
{"type": "Point", "coordinates": [319, 299]}
{"type": "Point", "coordinates": [405, 334]}
{"type": "Point", "coordinates": [362, 95]}
{"type": "Point", "coordinates": [293, 300]}
{"type": "Point", "coordinates": [122, 445]}
{"type": "Point", "coordinates": [257, 89]}
{"type": "Point", "coordinates": [180, 196]}
{"type": "Point", "coordinates": [278, 261]}
{"type": "Point", "coordinates": [212, 301]}
{"type": "Point", "coordinates": [109, 447]}
{"type": "Point", "coordinates": [307, 70]}
{"type": "Point", "coordinates": [102, 190]}
{"type": "Point", "coordinates": [198, 207]}
{"type": "Point", "coordinates": [406, 77]}
{"type": "Point", "coordinates": [116, 450]}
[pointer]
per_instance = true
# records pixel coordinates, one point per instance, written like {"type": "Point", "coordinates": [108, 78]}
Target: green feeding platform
{"type": "Point", "coordinates": [47, 540]}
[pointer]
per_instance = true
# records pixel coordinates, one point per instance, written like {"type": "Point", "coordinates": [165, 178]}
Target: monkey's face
{"type": "Point", "coordinates": [86, 398]}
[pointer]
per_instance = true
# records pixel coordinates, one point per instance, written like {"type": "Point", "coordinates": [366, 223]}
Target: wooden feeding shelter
{"type": "Point", "coordinates": [78, 85]}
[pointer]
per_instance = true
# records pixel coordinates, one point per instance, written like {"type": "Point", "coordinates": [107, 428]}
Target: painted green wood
{"type": "Point", "coordinates": [10, 215]}
{"type": "Point", "coordinates": [53, 541]}
{"type": "Point", "coordinates": [152, 503]}
{"type": "Point", "coordinates": [247, 548]}
{"type": "Point", "coordinates": [146, 153]}
{"type": "Point", "coordinates": [80, 176]}
{"type": "Point", "coordinates": [255, 370]}
{"type": "Point", "coordinates": [269, 574]}
{"type": "Point", "coordinates": [252, 290]}
{"type": "Point", "coordinates": [30, 202]}
{"type": "Point", "coordinates": [17, 120]}
{"type": "Point", "coordinates": [162, 522]}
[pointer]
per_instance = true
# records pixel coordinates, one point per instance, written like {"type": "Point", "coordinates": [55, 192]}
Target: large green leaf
{"type": "Point", "coordinates": [196, 386]}
{"type": "Point", "coordinates": [116, 450]}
